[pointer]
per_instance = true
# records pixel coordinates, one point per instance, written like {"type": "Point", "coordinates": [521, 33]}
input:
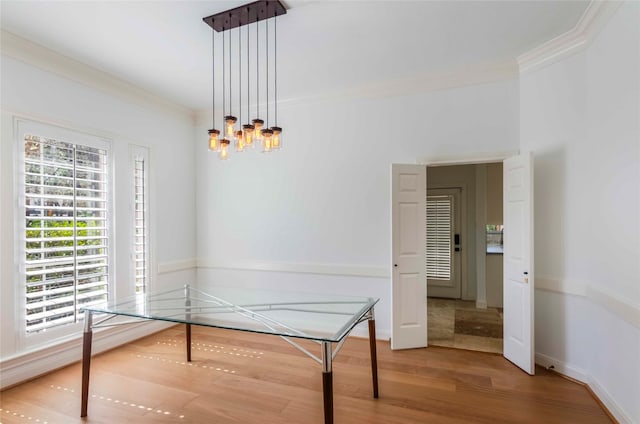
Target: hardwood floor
{"type": "Point", "coordinates": [250, 378]}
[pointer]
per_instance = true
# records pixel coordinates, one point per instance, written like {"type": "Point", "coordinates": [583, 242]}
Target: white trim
{"type": "Point", "coordinates": [74, 136]}
{"type": "Point", "coordinates": [556, 285]}
{"type": "Point", "coordinates": [174, 266]}
{"type": "Point", "coordinates": [572, 41]}
{"type": "Point", "coordinates": [563, 368]}
{"type": "Point", "coordinates": [435, 81]}
{"type": "Point", "coordinates": [301, 268]}
{"type": "Point", "coordinates": [408, 85]}
{"type": "Point", "coordinates": [584, 377]}
{"type": "Point", "coordinates": [620, 307]}
{"type": "Point", "coordinates": [468, 159]}
{"type": "Point", "coordinates": [34, 54]}
{"type": "Point", "coordinates": [29, 365]}
{"type": "Point", "coordinates": [608, 401]}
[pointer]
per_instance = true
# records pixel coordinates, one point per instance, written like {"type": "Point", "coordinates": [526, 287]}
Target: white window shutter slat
{"type": "Point", "coordinates": [439, 236]}
{"type": "Point", "coordinates": [66, 238]}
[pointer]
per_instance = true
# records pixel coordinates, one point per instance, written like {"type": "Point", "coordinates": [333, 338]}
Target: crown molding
{"type": "Point", "coordinates": [596, 15]}
{"type": "Point", "coordinates": [41, 57]}
{"type": "Point", "coordinates": [406, 86]}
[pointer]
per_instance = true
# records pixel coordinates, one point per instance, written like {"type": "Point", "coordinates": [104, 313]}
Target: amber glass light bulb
{"type": "Point", "coordinates": [257, 133]}
{"type": "Point", "coordinates": [248, 130]}
{"type": "Point", "coordinates": [230, 121]}
{"type": "Point", "coordinates": [224, 149]}
{"type": "Point", "coordinates": [214, 144]}
{"type": "Point", "coordinates": [276, 140]}
{"type": "Point", "coordinates": [267, 141]}
{"type": "Point", "coordinates": [240, 144]}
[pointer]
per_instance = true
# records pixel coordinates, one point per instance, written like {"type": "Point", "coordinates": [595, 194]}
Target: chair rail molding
{"type": "Point", "coordinates": [175, 266]}
{"type": "Point", "coordinates": [301, 268]}
{"type": "Point", "coordinates": [622, 308]}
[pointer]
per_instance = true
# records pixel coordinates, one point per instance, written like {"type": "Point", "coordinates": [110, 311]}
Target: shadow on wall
{"type": "Point", "coordinates": [550, 226]}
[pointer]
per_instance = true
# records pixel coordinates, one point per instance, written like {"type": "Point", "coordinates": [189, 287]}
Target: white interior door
{"type": "Point", "coordinates": [408, 256]}
{"type": "Point", "coordinates": [443, 247]}
{"type": "Point", "coordinates": [518, 261]}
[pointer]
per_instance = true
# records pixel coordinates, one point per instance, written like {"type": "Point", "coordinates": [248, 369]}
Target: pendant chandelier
{"type": "Point", "coordinates": [236, 64]}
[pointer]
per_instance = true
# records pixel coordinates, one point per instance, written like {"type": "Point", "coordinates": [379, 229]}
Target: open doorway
{"type": "Point", "coordinates": [464, 256]}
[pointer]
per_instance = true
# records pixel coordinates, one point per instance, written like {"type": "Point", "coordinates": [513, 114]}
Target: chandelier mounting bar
{"type": "Point", "coordinates": [245, 14]}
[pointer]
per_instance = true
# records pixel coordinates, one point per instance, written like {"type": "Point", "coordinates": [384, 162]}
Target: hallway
{"type": "Point", "coordinates": [459, 324]}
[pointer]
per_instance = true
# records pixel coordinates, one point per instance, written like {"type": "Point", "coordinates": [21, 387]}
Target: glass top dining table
{"type": "Point", "coordinates": [326, 319]}
{"type": "Point", "coordinates": [314, 316]}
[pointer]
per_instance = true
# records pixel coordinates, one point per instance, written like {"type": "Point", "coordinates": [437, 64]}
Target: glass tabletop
{"type": "Point", "coordinates": [314, 316]}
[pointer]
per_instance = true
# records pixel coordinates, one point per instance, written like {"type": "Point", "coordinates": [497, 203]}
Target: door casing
{"type": "Point", "coordinates": [462, 161]}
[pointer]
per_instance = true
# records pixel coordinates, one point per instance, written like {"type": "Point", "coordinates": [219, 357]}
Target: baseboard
{"type": "Point", "coordinates": [31, 365]}
{"type": "Point", "coordinates": [581, 376]}
{"type": "Point", "coordinates": [608, 402]}
{"type": "Point", "coordinates": [562, 367]}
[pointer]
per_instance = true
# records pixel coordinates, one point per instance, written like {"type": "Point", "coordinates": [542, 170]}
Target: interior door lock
{"type": "Point", "coordinates": [456, 242]}
{"type": "Point", "coordinates": [526, 277]}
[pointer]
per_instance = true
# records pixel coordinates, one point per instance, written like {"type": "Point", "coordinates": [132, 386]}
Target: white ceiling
{"type": "Point", "coordinates": [165, 48]}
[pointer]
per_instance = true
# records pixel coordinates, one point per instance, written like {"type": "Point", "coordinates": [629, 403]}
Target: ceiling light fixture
{"type": "Point", "coordinates": [256, 132]}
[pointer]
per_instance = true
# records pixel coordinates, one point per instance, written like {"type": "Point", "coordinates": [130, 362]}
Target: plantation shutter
{"type": "Point", "coordinates": [66, 236]}
{"type": "Point", "coordinates": [439, 236]}
{"type": "Point", "coordinates": [140, 204]}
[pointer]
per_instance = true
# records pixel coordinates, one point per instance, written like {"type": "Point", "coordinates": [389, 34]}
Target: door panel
{"type": "Point", "coordinates": [408, 286]}
{"type": "Point", "coordinates": [408, 237]}
{"type": "Point", "coordinates": [518, 262]}
{"type": "Point", "coordinates": [408, 232]}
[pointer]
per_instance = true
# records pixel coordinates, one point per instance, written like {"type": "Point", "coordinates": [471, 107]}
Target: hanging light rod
{"type": "Point", "coordinates": [245, 14]}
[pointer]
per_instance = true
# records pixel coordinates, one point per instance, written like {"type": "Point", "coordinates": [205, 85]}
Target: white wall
{"type": "Point", "coordinates": [320, 208]}
{"type": "Point", "coordinates": [580, 117]}
{"type": "Point", "coordinates": [66, 98]}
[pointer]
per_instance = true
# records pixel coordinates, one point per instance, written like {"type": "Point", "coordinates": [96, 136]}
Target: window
{"type": "Point", "coordinates": [495, 238]}
{"type": "Point", "coordinates": [140, 205]}
{"type": "Point", "coordinates": [66, 220]}
{"type": "Point", "coordinates": [439, 233]}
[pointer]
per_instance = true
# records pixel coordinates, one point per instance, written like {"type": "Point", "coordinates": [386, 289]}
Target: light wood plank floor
{"type": "Point", "coordinates": [250, 378]}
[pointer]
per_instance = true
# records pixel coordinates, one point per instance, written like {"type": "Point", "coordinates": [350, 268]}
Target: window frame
{"type": "Point", "coordinates": [21, 128]}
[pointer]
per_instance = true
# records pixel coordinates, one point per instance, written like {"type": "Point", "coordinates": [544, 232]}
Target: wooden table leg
{"type": "Point", "coordinates": [187, 317]}
{"type": "Point", "coordinates": [327, 393]}
{"type": "Point", "coordinates": [86, 362]}
{"type": "Point", "coordinates": [188, 342]}
{"type": "Point", "coordinates": [374, 355]}
{"type": "Point", "coordinates": [327, 382]}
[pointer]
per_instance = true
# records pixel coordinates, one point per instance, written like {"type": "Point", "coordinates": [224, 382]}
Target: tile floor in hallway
{"type": "Point", "coordinates": [459, 324]}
